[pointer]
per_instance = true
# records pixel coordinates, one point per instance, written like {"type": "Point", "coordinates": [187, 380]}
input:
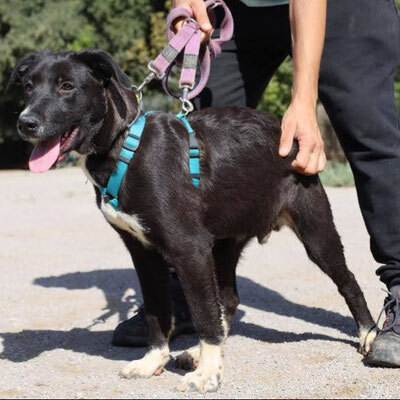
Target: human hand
{"type": "Point", "coordinates": [300, 122]}
{"type": "Point", "coordinates": [199, 11]}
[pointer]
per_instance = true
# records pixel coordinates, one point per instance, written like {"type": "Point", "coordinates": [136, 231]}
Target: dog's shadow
{"type": "Point", "coordinates": [28, 344]}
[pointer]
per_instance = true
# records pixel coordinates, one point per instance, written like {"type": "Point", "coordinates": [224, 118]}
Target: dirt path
{"type": "Point", "coordinates": [66, 280]}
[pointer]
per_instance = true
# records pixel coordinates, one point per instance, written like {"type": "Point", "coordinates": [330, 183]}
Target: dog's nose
{"type": "Point", "coordinates": [28, 124]}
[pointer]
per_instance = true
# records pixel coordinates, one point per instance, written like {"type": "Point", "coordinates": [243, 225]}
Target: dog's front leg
{"type": "Point", "coordinates": [154, 280]}
{"type": "Point", "coordinates": [226, 254]}
{"type": "Point", "coordinates": [195, 268]}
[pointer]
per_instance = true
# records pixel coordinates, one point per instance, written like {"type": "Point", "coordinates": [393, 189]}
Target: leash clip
{"type": "Point", "coordinates": [187, 105]}
{"type": "Point", "coordinates": [146, 81]}
{"type": "Point", "coordinates": [153, 71]}
{"type": "Point", "coordinates": [149, 77]}
{"type": "Point", "coordinates": [138, 89]}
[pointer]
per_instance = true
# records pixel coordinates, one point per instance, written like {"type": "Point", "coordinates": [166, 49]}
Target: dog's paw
{"type": "Point", "coordinates": [189, 359]}
{"type": "Point", "coordinates": [151, 364]}
{"type": "Point", "coordinates": [367, 336]}
{"type": "Point", "coordinates": [208, 375]}
{"type": "Point", "coordinates": [201, 381]}
{"type": "Point", "coordinates": [138, 369]}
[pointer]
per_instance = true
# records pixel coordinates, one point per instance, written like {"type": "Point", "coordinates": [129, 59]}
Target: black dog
{"type": "Point", "coordinates": [82, 102]}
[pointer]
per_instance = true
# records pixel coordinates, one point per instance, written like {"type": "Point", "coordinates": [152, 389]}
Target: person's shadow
{"type": "Point", "coordinates": [114, 283]}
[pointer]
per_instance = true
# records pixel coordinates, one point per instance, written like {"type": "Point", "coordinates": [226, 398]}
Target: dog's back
{"type": "Point", "coordinates": [242, 169]}
{"type": "Point", "coordinates": [244, 182]}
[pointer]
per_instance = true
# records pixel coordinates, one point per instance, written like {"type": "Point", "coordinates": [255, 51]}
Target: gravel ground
{"type": "Point", "coordinates": [67, 280]}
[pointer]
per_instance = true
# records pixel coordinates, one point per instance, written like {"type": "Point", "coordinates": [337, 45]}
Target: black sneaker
{"type": "Point", "coordinates": [385, 350]}
{"type": "Point", "coordinates": [134, 332]}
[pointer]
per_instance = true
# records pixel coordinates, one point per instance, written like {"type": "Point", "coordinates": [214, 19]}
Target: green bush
{"type": "Point", "coordinates": [276, 98]}
{"type": "Point", "coordinates": [337, 174]}
{"type": "Point", "coordinates": [131, 30]}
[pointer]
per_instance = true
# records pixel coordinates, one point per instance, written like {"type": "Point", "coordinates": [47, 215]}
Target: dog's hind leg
{"type": "Point", "coordinates": [154, 280]}
{"type": "Point", "coordinates": [226, 253]}
{"type": "Point", "coordinates": [311, 218]}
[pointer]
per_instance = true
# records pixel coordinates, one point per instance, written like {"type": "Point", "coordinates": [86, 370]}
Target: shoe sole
{"type": "Point", "coordinates": [385, 351]}
{"type": "Point", "coordinates": [381, 363]}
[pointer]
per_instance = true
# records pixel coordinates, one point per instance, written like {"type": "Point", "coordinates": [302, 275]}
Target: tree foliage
{"type": "Point", "coordinates": [133, 31]}
{"type": "Point", "coordinates": [277, 97]}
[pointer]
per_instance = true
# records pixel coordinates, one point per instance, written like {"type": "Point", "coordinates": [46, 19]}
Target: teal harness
{"type": "Point", "coordinates": [129, 148]}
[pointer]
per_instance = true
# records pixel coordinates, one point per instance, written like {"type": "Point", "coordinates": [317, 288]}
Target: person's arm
{"type": "Point", "coordinates": [307, 19]}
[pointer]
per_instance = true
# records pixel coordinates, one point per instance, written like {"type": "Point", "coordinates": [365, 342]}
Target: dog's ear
{"type": "Point", "coordinates": [103, 66]}
{"type": "Point", "coordinates": [23, 66]}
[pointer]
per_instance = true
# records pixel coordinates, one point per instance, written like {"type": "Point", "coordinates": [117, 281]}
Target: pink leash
{"type": "Point", "coordinates": [187, 41]}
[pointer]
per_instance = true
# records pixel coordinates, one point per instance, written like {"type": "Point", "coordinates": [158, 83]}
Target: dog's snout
{"type": "Point", "coordinates": [28, 124]}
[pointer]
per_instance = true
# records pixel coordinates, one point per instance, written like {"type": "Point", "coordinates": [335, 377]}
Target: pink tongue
{"type": "Point", "coordinates": [45, 154]}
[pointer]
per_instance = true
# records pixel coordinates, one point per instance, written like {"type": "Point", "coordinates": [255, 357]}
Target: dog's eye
{"type": "Point", "coordinates": [28, 87]}
{"type": "Point", "coordinates": [66, 86]}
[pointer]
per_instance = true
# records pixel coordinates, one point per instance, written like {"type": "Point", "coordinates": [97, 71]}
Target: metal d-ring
{"type": "Point", "coordinates": [216, 4]}
{"type": "Point", "coordinates": [194, 21]}
{"type": "Point", "coordinates": [138, 92]}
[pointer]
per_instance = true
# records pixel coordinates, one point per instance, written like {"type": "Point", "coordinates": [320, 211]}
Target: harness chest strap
{"type": "Point", "coordinates": [194, 151]}
{"type": "Point", "coordinates": [129, 148]}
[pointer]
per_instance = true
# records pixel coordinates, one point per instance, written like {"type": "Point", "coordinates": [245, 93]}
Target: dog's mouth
{"type": "Point", "coordinates": [52, 150]}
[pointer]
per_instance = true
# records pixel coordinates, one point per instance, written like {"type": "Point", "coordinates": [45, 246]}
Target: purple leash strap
{"type": "Point", "coordinates": [188, 42]}
{"type": "Point", "coordinates": [166, 58]}
{"type": "Point", "coordinates": [194, 50]}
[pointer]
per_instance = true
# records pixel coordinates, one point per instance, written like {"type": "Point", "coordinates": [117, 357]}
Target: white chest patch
{"type": "Point", "coordinates": [126, 222]}
{"type": "Point", "coordinates": [82, 164]}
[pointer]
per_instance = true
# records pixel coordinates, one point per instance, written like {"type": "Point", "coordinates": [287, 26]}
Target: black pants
{"type": "Point", "coordinates": [362, 48]}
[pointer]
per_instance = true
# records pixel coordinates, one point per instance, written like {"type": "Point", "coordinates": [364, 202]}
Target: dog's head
{"type": "Point", "coordinates": [68, 98]}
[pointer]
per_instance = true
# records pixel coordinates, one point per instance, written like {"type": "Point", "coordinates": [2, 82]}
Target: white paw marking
{"type": "Point", "coordinates": [209, 373]}
{"type": "Point", "coordinates": [367, 336]}
{"type": "Point", "coordinates": [154, 361]}
{"type": "Point", "coordinates": [189, 359]}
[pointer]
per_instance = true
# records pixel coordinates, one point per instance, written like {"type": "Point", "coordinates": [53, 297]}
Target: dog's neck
{"type": "Point", "coordinates": [122, 109]}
